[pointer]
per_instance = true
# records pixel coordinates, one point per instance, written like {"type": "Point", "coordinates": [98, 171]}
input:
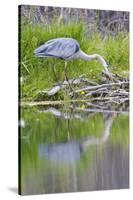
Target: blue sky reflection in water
{"type": "Point", "coordinates": [69, 151]}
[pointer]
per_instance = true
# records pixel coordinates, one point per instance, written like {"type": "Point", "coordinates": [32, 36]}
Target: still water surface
{"type": "Point", "coordinates": [63, 150]}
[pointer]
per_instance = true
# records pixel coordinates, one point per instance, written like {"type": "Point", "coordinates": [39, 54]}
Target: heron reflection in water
{"type": "Point", "coordinates": [71, 151]}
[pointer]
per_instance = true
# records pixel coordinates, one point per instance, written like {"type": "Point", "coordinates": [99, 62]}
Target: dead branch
{"type": "Point", "coordinates": [113, 93]}
{"type": "Point", "coordinates": [102, 86]}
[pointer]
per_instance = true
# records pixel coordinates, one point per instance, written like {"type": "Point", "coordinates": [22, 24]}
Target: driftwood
{"type": "Point", "coordinates": [111, 93]}
{"type": "Point", "coordinates": [64, 84]}
{"type": "Point", "coordinates": [102, 86]}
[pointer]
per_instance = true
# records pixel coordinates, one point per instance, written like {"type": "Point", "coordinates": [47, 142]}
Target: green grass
{"type": "Point", "coordinates": [38, 72]}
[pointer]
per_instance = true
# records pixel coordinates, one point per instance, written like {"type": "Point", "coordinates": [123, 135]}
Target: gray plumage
{"type": "Point", "coordinates": [63, 48]}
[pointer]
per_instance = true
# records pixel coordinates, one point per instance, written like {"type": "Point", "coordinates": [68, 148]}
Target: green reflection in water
{"type": "Point", "coordinates": [65, 151]}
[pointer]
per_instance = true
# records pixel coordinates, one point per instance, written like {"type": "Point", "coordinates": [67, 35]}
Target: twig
{"type": "Point", "coordinates": [104, 98]}
{"type": "Point", "coordinates": [96, 91]}
{"type": "Point", "coordinates": [110, 76]}
{"type": "Point", "coordinates": [96, 106]}
{"type": "Point", "coordinates": [102, 86]}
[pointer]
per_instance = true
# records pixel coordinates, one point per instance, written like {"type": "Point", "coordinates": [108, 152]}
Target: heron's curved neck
{"type": "Point", "coordinates": [85, 56]}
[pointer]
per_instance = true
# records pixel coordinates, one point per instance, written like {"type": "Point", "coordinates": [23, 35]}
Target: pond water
{"type": "Point", "coordinates": [64, 150]}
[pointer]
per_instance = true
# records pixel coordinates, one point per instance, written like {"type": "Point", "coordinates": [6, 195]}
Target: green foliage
{"type": "Point", "coordinates": [38, 72]}
{"type": "Point", "coordinates": [120, 130]}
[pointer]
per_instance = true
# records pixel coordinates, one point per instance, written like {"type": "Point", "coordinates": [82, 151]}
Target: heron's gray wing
{"type": "Point", "coordinates": [61, 48]}
{"type": "Point", "coordinates": [67, 48]}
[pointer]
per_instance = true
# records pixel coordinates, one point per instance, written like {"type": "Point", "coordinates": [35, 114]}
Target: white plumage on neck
{"type": "Point", "coordinates": [85, 56]}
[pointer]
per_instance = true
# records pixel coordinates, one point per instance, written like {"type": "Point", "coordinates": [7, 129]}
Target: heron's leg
{"type": "Point", "coordinates": [66, 78]}
{"type": "Point", "coordinates": [54, 72]}
{"type": "Point", "coordinates": [65, 70]}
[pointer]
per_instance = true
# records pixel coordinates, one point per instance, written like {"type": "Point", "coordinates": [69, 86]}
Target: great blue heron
{"type": "Point", "coordinates": [66, 49]}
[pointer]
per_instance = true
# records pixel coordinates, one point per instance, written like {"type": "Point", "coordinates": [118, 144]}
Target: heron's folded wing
{"type": "Point", "coordinates": [62, 48]}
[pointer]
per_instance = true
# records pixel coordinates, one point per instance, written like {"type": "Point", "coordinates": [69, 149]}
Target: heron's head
{"type": "Point", "coordinates": [102, 61]}
{"type": "Point", "coordinates": [107, 64]}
